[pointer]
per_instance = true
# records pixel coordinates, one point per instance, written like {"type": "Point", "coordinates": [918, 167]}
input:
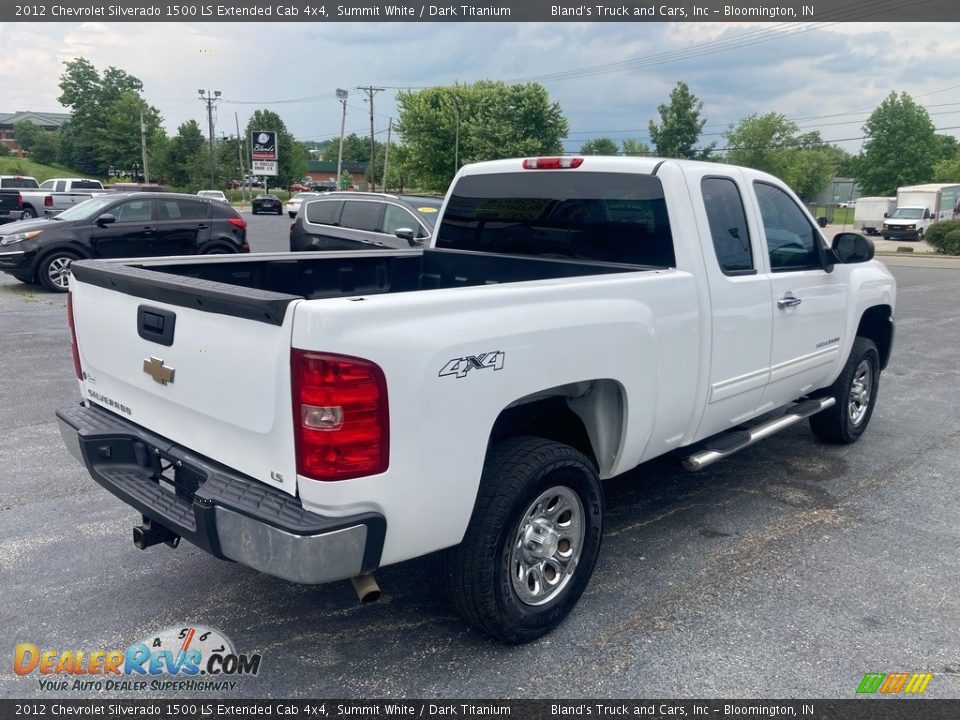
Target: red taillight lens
{"type": "Point", "coordinates": [74, 350]}
{"type": "Point", "coordinates": [552, 163]}
{"type": "Point", "coordinates": [48, 201]}
{"type": "Point", "coordinates": [340, 417]}
{"type": "Point", "coordinates": [238, 222]}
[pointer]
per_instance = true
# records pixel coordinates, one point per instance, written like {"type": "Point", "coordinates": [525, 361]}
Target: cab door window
{"type": "Point", "coordinates": [133, 211]}
{"type": "Point", "coordinates": [396, 217]}
{"type": "Point", "coordinates": [791, 238]}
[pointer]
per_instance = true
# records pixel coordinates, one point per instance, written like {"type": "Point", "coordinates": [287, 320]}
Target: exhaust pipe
{"type": "Point", "coordinates": [152, 533]}
{"type": "Point", "coordinates": [366, 588]}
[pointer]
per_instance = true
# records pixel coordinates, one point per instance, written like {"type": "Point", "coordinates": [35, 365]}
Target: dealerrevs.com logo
{"type": "Point", "coordinates": [178, 658]}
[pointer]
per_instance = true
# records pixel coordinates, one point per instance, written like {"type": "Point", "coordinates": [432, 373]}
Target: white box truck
{"type": "Point", "coordinates": [869, 212]}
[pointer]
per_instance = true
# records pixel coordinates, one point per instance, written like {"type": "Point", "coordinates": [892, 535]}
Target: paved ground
{"type": "Point", "coordinates": [788, 571]}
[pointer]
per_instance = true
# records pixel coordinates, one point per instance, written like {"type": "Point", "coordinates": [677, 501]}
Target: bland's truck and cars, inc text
{"type": "Point", "coordinates": [320, 416]}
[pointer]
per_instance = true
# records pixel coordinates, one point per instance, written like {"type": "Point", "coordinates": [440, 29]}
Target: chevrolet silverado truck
{"type": "Point", "coordinates": [317, 416]}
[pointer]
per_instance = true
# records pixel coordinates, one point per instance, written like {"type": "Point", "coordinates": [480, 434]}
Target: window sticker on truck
{"type": "Point", "coordinates": [459, 367]}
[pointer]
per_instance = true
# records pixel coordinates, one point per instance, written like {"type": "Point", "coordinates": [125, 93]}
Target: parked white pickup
{"type": "Point", "coordinates": [321, 415]}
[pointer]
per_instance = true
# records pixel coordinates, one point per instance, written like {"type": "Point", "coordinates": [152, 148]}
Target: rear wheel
{"type": "Point", "coordinates": [54, 270]}
{"type": "Point", "coordinates": [856, 394]}
{"type": "Point", "coordinates": [28, 213]}
{"type": "Point", "coordinates": [216, 250]}
{"type": "Point", "coordinates": [532, 542]}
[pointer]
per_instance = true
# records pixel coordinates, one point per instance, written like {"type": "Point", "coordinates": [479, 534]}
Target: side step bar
{"type": "Point", "coordinates": [729, 443]}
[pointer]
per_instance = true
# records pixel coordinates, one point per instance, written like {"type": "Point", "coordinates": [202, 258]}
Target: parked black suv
{"type": "Point", "coordinates": [357, 220]}
{"type": "Point", "coordinates": [118, 225]}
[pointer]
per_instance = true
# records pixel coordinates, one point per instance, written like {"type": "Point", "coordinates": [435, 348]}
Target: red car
{"type": "Point", "coordinates": [298, 187]}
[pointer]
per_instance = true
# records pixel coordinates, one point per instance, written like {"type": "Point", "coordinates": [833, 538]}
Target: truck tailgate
{"type": "Point", "coordinates": [215, 383]}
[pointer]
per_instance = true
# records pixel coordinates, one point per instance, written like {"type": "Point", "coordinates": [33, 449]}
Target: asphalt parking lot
{"type": "Point", "coordinates": [788, 571]}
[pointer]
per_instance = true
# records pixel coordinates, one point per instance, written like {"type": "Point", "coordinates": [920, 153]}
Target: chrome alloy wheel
{"type": "Point", "coordinates": [58, 270]}
{"type": "Point", "coordinates": [859, 394]}
{"type": "Point", "coordinates": [547, 546]}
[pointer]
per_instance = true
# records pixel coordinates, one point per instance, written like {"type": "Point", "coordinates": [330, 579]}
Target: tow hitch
{"type": "Point", "coordinates": [152, 533]}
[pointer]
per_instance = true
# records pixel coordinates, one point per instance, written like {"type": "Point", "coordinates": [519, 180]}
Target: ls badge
{"type": "Point", "coordinates": [154, 368]}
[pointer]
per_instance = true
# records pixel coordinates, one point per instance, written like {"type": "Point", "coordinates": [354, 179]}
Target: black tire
{"type": "Point", "coordinates": [254, 212]}
{"type": "Point", "coordinates": [846, 421]}
{"type": "Point", "coordinates": [216, 250]}
{"type": "Point", "coordinates": [537, 486]}
{"type": "Point", "coordinates": [28, 213]}
{"type": "Point", "coordinates": [53, 272]}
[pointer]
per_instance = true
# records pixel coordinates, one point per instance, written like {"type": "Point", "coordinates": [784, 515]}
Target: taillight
{"type": "Point", "coordinates": [238, 222]}
{"type": "Point", "coordinates": [552, 163]}
{"type": "Point", "coordinates": [74, 350]}
{"type": "Point", "coordinates": [48, 201]}
{"type": "Point", "coordinates": [341, 423]}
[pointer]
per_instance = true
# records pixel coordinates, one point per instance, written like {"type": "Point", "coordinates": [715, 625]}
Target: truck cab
{"type": "Point", "coordinates": [907, 223]}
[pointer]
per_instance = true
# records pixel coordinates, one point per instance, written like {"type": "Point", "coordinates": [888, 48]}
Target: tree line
{"type": "Point", "coordinates": [440, 129]}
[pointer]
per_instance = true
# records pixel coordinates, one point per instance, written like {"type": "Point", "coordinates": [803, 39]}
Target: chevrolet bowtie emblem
{"type": "Point", "coordinates": [155, 369]}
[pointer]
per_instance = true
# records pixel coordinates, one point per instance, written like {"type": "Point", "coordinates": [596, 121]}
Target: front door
{"type": "Point", "coordinates": [809, 304]}
{"type": "Point", "coordinates": [130, 235]}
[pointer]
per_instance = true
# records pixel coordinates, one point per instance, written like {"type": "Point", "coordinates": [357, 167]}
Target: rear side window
{"type": "Point", "coordinates": [324, 212]}
{"type": "Point", "coordinates": [182, 209]}
{"type": "Point", "coordinates": [86, 185]}
{"type": "Point", "coordinates": [612, 217]}
{"type": "Point", "coordinates": [791, 239]}
{"type": "Point", "coordinates": [728, 225]}
{"type": "Point", "coordinates": [222, 210]}
{"type": "Point", "coordinates": [361, 215]}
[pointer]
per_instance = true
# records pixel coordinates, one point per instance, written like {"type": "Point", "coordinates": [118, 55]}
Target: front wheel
{"type": "Point", "coordinates": [54, 270]}
{"type": "Point", "coordinates": [532, 542]}
{"type": "Point", "coordinates": [856, 394]}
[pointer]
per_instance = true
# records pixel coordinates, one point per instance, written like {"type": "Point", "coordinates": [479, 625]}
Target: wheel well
{"type": "Point", "coordinates": [588, 416]}
{"type": "Point", "coordinates": [876, 324]}
{"type": "Point", "coordinates": [215, 244]}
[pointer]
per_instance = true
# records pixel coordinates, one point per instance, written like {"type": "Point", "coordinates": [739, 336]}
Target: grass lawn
{"type": "Point", "coordinates": [12, 165]}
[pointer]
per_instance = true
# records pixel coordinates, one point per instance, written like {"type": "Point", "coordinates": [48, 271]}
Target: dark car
{"type": "Point", "coordinates": [266, 203]}
{"type": "Point", "coordinates": [352, 221]}
{"type": "Point", "coordinates": [118, 225]}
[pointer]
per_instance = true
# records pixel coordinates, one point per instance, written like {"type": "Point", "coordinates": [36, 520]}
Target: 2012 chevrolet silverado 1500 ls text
{"type": "Point", "coordinates": [321, 415]}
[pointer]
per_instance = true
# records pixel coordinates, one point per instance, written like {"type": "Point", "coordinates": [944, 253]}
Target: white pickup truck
{"type": "Point", "coordinates": [319, 416]}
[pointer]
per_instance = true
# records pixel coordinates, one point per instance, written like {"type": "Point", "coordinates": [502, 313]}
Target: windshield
{"type": "Point", "coordinates": [427, 207]}
{"type": "Point", "coordinates": [908, 213]}
{"type": "Point", "coordinates": [88, 208]}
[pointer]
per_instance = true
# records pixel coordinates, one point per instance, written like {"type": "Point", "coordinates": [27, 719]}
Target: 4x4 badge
{"type": "Point", "coordinates": [155, 369]}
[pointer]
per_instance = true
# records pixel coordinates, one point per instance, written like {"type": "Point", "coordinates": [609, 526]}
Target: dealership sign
{"type": "Point", "coordinates": [263, 145]}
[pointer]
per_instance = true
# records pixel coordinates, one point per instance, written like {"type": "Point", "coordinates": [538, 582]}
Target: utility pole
{"type": "Point", "coordinates": [386, 155]}
{"type": "Point", "coordinates": [243, 175]}
{"type": "Point", "coordinates": [210, 98]}
{"type": "Point", "coordinates": [143, 149]}
{"type": "Point", "coordinates": [370, 90]}
{"type": "Point", "coordinates": [342, 97]}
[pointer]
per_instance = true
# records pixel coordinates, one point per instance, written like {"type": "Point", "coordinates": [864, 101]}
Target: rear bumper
{"type": "Point", "coordinates": [229, 515]}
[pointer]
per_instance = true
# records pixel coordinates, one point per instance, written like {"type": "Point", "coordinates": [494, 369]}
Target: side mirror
{"type": "Point", "coordinates": [852, 248]}
{"type": "Point", "coordinates": [886, 215]}
{"type": "Point", "coordinates": [926, 214]}
{"type": "Point", "coordinates": [407, 234]}
{"type": "Point", "coordinates": [106, 219]}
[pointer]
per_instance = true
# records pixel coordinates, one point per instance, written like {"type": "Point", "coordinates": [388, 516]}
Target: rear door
{"type": "Point", "coordinates": [183, 225]}
{"type": "Point", "coordinates": [742, 315]}
{"type": "Point", "coordinates": [808, 303]}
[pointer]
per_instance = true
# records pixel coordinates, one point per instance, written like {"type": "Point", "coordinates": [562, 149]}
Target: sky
{"type": "Point", "coordinates": [608, 78]}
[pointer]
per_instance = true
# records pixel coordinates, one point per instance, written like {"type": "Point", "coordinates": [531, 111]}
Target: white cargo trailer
{"type": "Point", "coordinates": [869, 212]}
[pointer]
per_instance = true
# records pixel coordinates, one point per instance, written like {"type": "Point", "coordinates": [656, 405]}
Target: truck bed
{"type": "Point", "coordinates": [270, 282]}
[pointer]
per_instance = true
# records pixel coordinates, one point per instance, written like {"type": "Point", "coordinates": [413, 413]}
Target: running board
{"type": "Point", "coordinates": [728, 443]}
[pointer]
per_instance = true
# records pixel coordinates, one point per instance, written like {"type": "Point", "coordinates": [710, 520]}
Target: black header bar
{"type": "Point", "coordinates": [322, 11]}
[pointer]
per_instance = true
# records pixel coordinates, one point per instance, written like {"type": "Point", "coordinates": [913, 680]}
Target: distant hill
{"type": "Point", "coordinates": [12, 165]}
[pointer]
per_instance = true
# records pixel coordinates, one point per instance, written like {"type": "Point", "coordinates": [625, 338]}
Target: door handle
{"type": "Point", "coordinates": [202, 227]}
{"type": "Point", "coordinates": [149, 231]}
{"type": "Point", "coordinates": [787, 301]}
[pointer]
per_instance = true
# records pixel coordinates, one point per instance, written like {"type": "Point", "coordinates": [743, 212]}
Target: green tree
{"type": "Point", "coordinates": [186, 162]}
{"type": "Point", "coordinates": [901, 146]}
{"type": "Point", "coordinates": [26, 133]}
{"type": "Point", "coordinates": [355, 149]}
{"type": "Point", "coordinates": [292, 155]}
{"type": "Point", "coordinates": [773, 144]}
{"type": "Point", "coordinates": [104, 128]}
{"type": "Point", "coordinates": [599, 146]}
{"type": "Point", "coordinates": [446, 127]}
{"type": "Point", "coordinates": [636, 147]}
{"type": "Point", "coordinates": [678, 132]}
{"type": "Point", "coordinates": [947, 171]}
{"type": "Point", "coordinates": [46, 148]}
